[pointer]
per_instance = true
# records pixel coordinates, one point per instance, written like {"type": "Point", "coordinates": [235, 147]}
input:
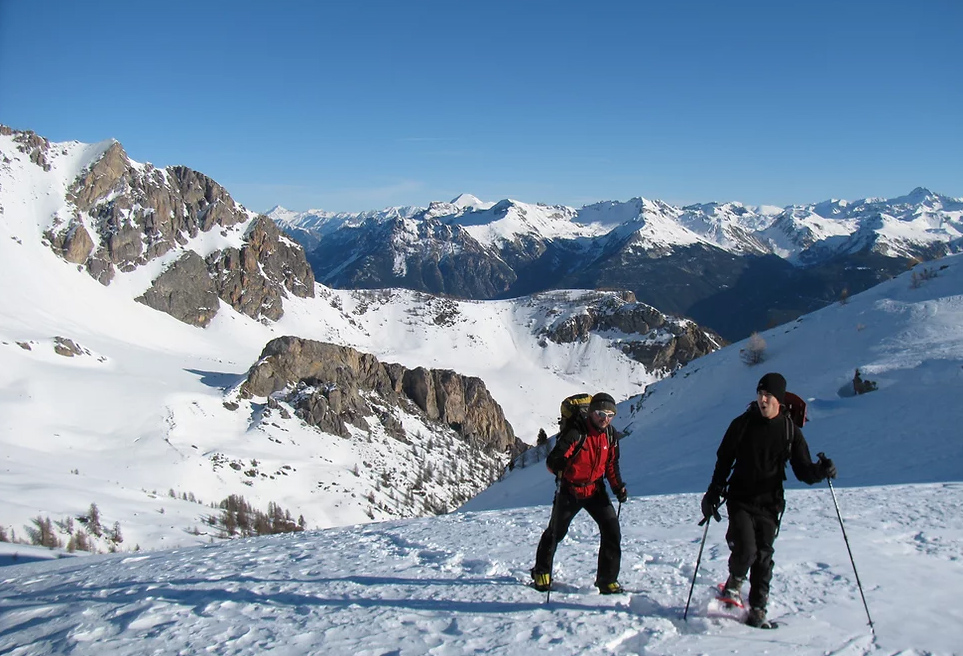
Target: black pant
{"type": "Point", "coordinates": [752, 531]}
{"type": "Point", "coordinates": [566, 506]}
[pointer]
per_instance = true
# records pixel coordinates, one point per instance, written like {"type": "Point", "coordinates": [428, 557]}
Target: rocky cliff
{"type": "Point", "coordinates": [332, 387]}
{"type": "Point", "coordinates": [121, 215]}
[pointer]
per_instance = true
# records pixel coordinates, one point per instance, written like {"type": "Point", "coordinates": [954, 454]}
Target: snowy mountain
{"type": "Point", "coordinates": [311, 226]}
{"type": "Point", "coordinates": [454, 584]}
{"type": "Point", "coordinates": [702, 261]}
{"type": "Point", "coordinates": [141, 368]}
{"type": "Point", "coordinates": [109, 401]}
{"type": "Point", "coordinates": [915, 221]}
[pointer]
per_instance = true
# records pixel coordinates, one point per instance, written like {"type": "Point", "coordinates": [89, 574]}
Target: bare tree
{"type": "Point", "coordinates": [917, 279]}
{"type": "Point", "coordinates": [755, 351]}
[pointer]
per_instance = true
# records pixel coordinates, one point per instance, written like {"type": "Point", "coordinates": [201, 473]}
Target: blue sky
{"type": "Point", "coordinates": [349, 106]}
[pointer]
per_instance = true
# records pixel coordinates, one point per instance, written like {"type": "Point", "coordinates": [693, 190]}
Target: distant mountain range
{"type": "Point", "coordinates": [731, 267]}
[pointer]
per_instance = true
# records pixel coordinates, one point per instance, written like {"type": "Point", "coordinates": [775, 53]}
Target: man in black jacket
{"type": "Point", "coordinates": [750, 469]}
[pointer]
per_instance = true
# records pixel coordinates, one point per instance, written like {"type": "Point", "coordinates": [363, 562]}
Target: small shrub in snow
{"type": "Point", "coordinates": [918, 278]}
{"type": "Point", "coordinates": [755, 351]}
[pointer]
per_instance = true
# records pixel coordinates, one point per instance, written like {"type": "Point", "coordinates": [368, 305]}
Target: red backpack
{"type": "Point", "coordinates": [796, 408]}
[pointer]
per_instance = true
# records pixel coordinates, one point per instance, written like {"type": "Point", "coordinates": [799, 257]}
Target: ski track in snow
{"type": "Point", "coordinates": [456, 585]}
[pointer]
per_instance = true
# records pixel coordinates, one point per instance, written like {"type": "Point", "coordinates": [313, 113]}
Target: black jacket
{"type": "Point", "coordinates": [754, 451]}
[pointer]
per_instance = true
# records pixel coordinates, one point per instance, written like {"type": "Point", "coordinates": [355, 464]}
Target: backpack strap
{"type": "Point", "coordinates": [791, 429]}
{"type": "Point", "coordinates": [578, 445]}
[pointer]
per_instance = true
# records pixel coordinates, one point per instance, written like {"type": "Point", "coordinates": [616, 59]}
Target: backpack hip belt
{"type": "Point", "coordinates": [589, 484]}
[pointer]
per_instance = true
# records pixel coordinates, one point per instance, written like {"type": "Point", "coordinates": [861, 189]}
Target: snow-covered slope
{"type": "Point", "coordinates": [906, 336]}
{"type": "Point", "coordinates": [454, 585]}
{"type": "Point", "coordinates": [108, 402]}
{"type": "Point", "coordinates": [134, 420]}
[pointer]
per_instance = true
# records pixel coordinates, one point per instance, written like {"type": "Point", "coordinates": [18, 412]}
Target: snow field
{"type": "Point", "coordinates": [457, 585]}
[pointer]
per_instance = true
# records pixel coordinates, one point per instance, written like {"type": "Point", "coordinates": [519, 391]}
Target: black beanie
{"type": "Point", "coordinates": [602, 401]}
{"type": "Point", "coordinates": [775, 384]}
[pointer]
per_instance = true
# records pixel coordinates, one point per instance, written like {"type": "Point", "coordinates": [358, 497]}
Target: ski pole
{"type": "Point", "coordinates": [822, 456]}
{"type": "Point", "coordinates": [705, 520]}
{"type": "Point", "coordinates": [553, 521]}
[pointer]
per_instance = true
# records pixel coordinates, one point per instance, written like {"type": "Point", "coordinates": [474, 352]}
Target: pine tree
{"type": "Point", "coordinates": [93, 520]}
{"type": "Point", "coordinates": [43, 533]}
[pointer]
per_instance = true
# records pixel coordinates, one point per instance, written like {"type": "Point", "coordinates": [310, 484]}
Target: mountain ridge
{"type": "Point", "coordinates": [511, 248]}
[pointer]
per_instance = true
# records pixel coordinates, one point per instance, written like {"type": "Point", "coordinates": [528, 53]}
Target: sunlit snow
{"type": "Point", "coordinates": [117, 423]}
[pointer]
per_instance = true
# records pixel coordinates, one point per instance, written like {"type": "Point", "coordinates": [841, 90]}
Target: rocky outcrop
{"type": "Point", "coordinates": [687, 342]}
{"type": "Point", "coordinates": [73, 244]}
{"type": "Point", "coordinates": [252, 279]}
{"type": "Point", "coordinates": [660, 342]}
{"type": "Point", "coordinates": [141, 212]}
{"type": "Point", "coordinates": [68, 348]}
{"type": "Point", "coordinates": [185, 291]}
{"type": "Point", "coordinates": [333, 386]}
{"type": "Point", "coordinates": [31, 144]}
{"type": "Point", "coordinates": [126, 215]}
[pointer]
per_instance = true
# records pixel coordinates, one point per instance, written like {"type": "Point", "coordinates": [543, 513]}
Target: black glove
{"type": "Point", "coordinates": [826, 467]}
{"type": "Point", "coordinates": [710, 503]}
{"type": "Point", "coordinates": [621, 494]}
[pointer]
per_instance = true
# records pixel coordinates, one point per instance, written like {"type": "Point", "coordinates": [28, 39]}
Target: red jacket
{"type": "Point", "coordinates": [584, 461]}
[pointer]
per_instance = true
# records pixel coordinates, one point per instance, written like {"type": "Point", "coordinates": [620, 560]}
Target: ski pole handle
{"type": "Point", "coordinates": [715, 515]}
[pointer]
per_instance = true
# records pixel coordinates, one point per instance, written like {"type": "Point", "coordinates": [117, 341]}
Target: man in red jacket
{"type": "Point", "coordinates": [585, 452]}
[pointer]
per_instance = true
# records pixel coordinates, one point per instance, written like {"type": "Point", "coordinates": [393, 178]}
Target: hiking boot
{"type": "Point", "coordinates": [541, 581]}
{"type": "Point", "coordinates": [757, 618]}
{"type": "Point", "coordinates": [733, 587]}
{"type": "Point", "coordinates": [731, 593]}
{"type": "Point", "coordinates": [611, 588]}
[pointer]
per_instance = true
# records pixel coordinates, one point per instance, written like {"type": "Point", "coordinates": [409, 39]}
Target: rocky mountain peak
{"type": "Point", "coordinates": [121, 215]}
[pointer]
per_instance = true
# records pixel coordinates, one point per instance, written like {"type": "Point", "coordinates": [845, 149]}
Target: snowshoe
{"type": "Point", "coordinates": [729, 598]}
{"type": "Point", "coordinates": [726, 606]}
